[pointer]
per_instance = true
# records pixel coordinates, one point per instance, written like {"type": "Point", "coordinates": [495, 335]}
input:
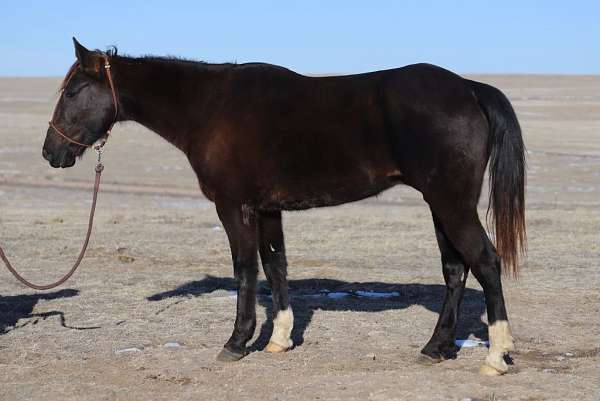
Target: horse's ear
{"type": "Point", "coordinates": [90, 61]}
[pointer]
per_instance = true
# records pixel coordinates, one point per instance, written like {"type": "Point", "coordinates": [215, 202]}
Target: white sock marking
{"type": "Point", "coordinates": [501, 343]}
{"type": "Point", "coordinates": [282, 328]}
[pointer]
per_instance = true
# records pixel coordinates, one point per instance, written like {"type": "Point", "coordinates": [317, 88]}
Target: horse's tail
{"type": "Point", "coordinates": [507, 175]}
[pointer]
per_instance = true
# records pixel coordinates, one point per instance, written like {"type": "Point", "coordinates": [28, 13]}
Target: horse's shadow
{"type": "Point", "coordinates": [16, 307]}
{"type": "Point", "coordinates": [309, 295]}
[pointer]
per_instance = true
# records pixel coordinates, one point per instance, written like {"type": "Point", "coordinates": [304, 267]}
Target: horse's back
{"type": "Point", "coordinates": [319, 141]}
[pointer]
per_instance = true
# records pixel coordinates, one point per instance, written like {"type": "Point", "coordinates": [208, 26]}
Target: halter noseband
{"type": "Point", "coordinates": [114, 96]}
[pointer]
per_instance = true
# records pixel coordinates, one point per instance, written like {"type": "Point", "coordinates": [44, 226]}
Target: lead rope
{"type": "Point", "coordinates": [99, 168]}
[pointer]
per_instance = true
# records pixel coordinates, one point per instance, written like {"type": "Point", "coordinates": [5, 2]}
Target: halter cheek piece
{"type": "Point", "coordinates": [105, 137]}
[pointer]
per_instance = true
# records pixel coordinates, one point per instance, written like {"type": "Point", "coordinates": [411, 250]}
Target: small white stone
{"type": "Point", "coordinates": [131, 349]}
{"type": "Point", "coordinates": [172, 344]}
{"type": "Point", "coordinates": [468, 343]}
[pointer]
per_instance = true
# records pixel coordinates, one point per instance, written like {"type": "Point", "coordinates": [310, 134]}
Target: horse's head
{"type": "Point", "coordinates": [85, 110]}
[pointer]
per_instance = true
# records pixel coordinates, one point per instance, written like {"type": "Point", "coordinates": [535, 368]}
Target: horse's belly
{"type": "Point", "coordinates": [328, 192]}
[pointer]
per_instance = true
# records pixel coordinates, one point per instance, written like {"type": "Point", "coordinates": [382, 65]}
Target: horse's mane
{"type": "Point", "coordinates": [112, 51]}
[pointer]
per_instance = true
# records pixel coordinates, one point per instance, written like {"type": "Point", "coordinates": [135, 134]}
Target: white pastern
{"type": "Point", "coordinates": [282, 329]}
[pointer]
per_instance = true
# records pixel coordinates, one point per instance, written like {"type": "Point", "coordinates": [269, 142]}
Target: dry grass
{"type": "Point", "coordinates": [147, 279]}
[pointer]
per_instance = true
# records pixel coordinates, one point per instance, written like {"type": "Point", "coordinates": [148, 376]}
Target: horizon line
{"type": "Point", "coordinates": [327, 74]}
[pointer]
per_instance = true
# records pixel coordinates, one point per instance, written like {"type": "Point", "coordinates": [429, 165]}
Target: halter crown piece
{"type": "Point", "coordinates": [99, 146]}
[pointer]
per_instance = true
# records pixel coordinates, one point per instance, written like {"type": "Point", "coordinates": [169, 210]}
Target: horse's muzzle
{"type": "Point", "coordinates": [63, 158]}
{"type": "Point", "coordinates": [57, 153]}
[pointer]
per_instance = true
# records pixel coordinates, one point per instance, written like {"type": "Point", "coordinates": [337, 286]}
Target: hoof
{"type": "Point", "coordinates": [275, 348]}
{"type": "Point", "coordinates": [229, 356]}
{"type": "Point", "coordinates": [438, 352]}
{"type": "Point", "coordinates": [495, 364]}
{"type": "Point", "coordinates": [488, 370]}
{"type": "Point", "coordinates": [427, 360]}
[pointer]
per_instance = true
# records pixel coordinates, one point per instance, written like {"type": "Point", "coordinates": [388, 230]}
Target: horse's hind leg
{"type": "Point", "coordinates": [464, 230]}
{"type": "Point", "coordinates": [442, 343]}
{"type": "Point", "coordinates": [272, 255]}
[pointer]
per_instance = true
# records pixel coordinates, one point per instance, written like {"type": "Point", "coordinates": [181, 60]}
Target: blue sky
{"type": "Point", "coordinates": [311, 36]}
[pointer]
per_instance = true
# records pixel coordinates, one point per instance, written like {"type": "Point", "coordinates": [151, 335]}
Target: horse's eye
{"type": "Point", "coordinates": [74, 92]}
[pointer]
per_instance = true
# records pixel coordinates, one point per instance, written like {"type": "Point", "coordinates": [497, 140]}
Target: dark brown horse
{"type": "Point", "coordinates": [263, 139]}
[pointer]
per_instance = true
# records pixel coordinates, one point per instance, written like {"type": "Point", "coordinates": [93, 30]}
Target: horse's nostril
{"type": "Point", "coordinates": [45, 154]}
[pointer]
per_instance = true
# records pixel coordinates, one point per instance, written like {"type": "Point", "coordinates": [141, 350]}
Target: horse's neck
{"type": "Point", "coordinates": [163, 99]}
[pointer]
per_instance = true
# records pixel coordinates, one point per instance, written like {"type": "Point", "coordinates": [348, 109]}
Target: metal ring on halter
{"type": "Point", "coordinates": [99, 149]}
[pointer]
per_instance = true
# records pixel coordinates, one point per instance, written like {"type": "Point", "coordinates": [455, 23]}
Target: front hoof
{"type": "Point", "coordinates": [275, 348]}
{"type": "Point", "coordinates": [427, 360]}
{"type": "Point", "coordinates": [434, 353]}
{"type": "Point", "coordinates": [230, 356]}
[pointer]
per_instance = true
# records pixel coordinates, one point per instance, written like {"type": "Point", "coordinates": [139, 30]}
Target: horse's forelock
{"type": "Point", "coordinates": [68, 76]}
{"type": "Point", "coordinates": [111, 52]}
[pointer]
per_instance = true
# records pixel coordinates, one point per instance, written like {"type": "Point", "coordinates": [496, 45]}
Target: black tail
{"type": "Point", "coordinates": [507, 175]}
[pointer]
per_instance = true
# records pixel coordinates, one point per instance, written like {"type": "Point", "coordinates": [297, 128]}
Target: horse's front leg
{"type": "Point", "coordinates": [272, 254]}
{"type": "Point", "coordinates": [240, 224]}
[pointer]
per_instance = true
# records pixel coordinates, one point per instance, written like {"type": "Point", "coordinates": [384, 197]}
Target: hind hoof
{"type": "Point", "coordinates": [275, 348]}
{"type": "Point", "coordinates": [495, 364]}
{"type": "Point", "coordinates": [229, 356]}
{"type": "Point", "coordinates": [488, 370]}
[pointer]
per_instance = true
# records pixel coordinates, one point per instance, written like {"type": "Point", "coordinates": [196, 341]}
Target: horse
{"type": "Point", "coordinates": [263, 139]}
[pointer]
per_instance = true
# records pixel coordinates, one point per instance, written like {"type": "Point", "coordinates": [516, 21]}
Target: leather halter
{"type": "Point", "coordinates": [116, 104]}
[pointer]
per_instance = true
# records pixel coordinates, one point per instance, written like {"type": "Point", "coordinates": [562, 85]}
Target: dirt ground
{"type": "Point", "coordinates": [152, 305]}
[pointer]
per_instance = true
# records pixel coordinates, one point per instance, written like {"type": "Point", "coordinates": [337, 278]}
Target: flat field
{"type": "Point", "coordinates": [152, 304]}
